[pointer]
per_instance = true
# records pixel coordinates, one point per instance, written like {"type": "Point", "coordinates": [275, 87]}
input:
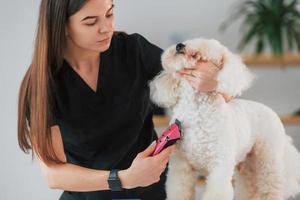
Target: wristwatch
{"type": "Point", "coordinates": [114, 181]}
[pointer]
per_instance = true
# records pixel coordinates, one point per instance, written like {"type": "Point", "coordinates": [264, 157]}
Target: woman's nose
{"type": "Point", "coordinates": [180, 48]}
{"type": "Point", "coordinates": [104, 28]}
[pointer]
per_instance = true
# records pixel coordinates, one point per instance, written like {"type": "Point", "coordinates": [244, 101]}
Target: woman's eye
{"type": "Point", "coordinates": [110, 15]}
{"type": "Point", "coordinates": [91, 24]}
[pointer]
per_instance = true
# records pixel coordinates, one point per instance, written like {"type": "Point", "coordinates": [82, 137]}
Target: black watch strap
{"type": "Point", "coordinates": [114, 181]}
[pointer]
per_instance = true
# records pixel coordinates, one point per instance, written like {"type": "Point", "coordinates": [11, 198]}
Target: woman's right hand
{"type": "Point", "coordinates": [146, 169]}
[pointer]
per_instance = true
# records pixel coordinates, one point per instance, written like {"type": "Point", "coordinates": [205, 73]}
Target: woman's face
{"type": "Point", "coordinates": [91, 27]}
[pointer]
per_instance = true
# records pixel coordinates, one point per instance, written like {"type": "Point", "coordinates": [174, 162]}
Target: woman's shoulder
{"type": "Point", "coordinates": [149, 54]}
{"type": "Point", "coordinates": [132, 39]}
{"type": "Point", "coordinates": [127, 36]}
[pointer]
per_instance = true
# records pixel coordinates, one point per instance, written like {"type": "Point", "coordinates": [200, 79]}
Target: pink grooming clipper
{"type": "Point", "coordinates": [169, 137]}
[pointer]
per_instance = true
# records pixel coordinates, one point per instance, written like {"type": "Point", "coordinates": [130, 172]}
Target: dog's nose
{"type": "Point", "coordinates": [180, 48]}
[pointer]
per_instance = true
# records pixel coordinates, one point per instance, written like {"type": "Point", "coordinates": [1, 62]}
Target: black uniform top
{"type": "Point", "coordinates": [106, 129]}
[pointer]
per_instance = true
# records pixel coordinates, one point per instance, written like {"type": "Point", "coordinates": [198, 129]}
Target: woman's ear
{"type": "Point", "coordinates": [234, 77]}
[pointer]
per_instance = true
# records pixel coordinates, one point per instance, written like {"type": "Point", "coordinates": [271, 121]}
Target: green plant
{"type": "Point", "coordinates": [270, 22]}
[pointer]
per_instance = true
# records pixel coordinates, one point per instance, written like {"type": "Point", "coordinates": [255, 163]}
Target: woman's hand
{"type": "Point", "coordinates": [145, 169]}
{"type": "Point", "coordinates": [227, 97]}
{"type": "Point", "coordinates": [202, 77]}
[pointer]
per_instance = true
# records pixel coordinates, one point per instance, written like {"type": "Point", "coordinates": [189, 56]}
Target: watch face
{"type": "Point", "coordinates": [115, 185]}
{"type": "Point", "coordinates": [114, 181]}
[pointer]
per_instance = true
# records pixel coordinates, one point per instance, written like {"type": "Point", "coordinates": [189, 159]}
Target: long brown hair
{"type": "Point", "coordinates": [35, 112]}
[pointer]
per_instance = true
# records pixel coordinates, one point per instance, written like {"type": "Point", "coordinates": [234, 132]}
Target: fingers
{"type": "Point", "coordinates": [227, 97]}
{"type": "Point", "coordinates": [147, 152]}
{"type": "Point", "coordinates": [240, 166]}
{"type": "Point", "coordinates": [189, 78]}
{"type": "Point", "coordinates": [200, 80]}
{"type": "Point", "coordinates": [165, 153]}
{"type": "Point", "coordinates": [164, 164]}
{"type": "Point", "coordinates": [200, 70]}
{"type": "Point", "coordinates": [202, 84]}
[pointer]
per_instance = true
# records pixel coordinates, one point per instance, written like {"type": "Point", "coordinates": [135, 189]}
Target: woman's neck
{"type": "Point", "coordinates": [81, 59]}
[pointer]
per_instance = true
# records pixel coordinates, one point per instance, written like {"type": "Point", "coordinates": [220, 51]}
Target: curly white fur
{"type": "Point", "coordinates": [219, 135]}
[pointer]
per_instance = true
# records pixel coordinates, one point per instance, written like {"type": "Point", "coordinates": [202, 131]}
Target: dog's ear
{"type": "Point", "coordinates": [163, 89]}
{"type": "Point", "coordinates": [234, 77]}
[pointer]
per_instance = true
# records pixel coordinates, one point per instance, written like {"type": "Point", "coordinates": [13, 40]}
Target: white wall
{"type": "Point", "coordinates": [163, 23]}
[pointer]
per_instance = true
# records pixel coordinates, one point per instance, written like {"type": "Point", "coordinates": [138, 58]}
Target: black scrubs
{"type": "Point", "coordinates": [106, 129]}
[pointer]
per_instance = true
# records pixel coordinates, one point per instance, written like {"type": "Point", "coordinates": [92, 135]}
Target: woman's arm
{"type": "Point", "coordinates": [76, 178]}
{"type": "Point", "coordinates": [73, 177]}
{"type": "Point", "coordinates": [144, 170]}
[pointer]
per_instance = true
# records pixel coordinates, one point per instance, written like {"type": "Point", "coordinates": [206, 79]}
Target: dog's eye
{"type": "Point", "coordinates": [194, 55]}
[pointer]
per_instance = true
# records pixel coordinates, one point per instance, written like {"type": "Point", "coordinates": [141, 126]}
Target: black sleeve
{"type": "Point", "coordinates": [150, 56]}
{"type": "Point", "coordinates": [52, 115]}
{"type": "Point", "coordinates": [53, 120]}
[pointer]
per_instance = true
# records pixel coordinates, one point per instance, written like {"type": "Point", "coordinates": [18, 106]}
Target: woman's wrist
{"type": "Point", "coordinates": [125, 179]}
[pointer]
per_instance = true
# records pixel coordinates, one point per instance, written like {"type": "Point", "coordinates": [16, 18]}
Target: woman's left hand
{"type": "Point", "coordinates": [202, 77]}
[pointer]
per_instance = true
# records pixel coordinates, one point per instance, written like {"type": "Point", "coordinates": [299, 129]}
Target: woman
{"type": "Point", "coordinates": [84, 106]}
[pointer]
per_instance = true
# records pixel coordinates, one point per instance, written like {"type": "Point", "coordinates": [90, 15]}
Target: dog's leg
{"type": "Point", "coordinates": [291, 161]}
{"type": "Point", "coordinates": [181, 179]}
{"type": "Point", "coordinates": [268, 172]}
{"type": "Point", "coordinates": [245, 179]}
{"type": "Point", "coordinates": [218, 184]}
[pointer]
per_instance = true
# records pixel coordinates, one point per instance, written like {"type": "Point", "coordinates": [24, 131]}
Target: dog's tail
{"type": "Point", "coordinates": [291, 170]}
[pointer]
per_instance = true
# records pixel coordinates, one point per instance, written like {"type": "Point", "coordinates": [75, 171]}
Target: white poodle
{"type": "Point", "coordinates": [217, 136]}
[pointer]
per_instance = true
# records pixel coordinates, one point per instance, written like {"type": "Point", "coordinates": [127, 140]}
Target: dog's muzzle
{"type": "Point", "coordinates": [180, 48]}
